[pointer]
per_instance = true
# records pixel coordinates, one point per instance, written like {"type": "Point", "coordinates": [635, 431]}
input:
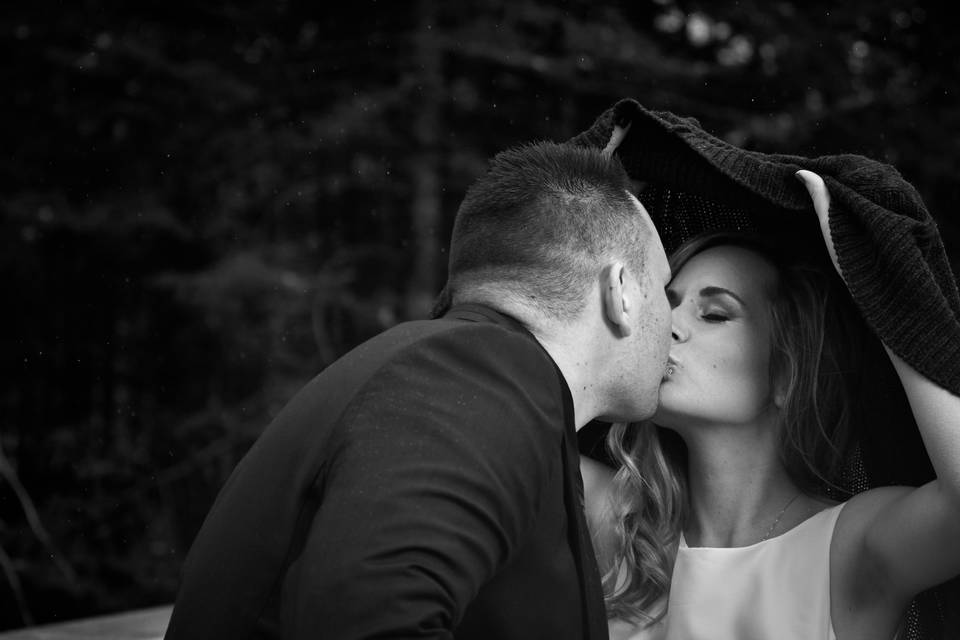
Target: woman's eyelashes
{"type": "Point", "coordinates": [715, 315]}
{"type": "Point", "coordinates": [706, 306]}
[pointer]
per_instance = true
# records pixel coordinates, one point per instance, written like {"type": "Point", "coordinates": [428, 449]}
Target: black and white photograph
{"type": "Point", "coordinates": [482, 320]}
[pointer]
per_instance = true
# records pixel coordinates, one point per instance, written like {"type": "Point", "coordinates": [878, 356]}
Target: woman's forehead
{"type": "Point", "coordinates": [729, 266]}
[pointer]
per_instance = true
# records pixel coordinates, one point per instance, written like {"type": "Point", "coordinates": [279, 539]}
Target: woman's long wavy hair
{"type": "Point", "coordinates": [810, 346]}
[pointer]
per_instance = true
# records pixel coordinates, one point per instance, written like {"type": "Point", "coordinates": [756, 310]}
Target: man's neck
{"type": "Point", "coordinates": [576, 362]}
{"type": "Point", "coordinates": [573, 347]}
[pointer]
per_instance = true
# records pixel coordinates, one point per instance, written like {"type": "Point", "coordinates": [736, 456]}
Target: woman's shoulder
{"type": "Point", "coordinates": [853, 566]}
{"type": "Point", "coordinates": [861, 594]}
{"type": "Point", "coordinates": [856, 519]}
{"type": "Point", "coordinates": [597, 505]}
{"type": "Point", "coordinates": [853, 514]}
{"type": "Point", "coordinates": [596, 472]}
{"type": "Point", "coordinates": [859, 510]}
{"type": "Point", "coordinates": [597, 486]}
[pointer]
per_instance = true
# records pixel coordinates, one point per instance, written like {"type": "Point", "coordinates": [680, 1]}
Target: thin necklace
{"type": "Point", "coordinates": [779, 515]}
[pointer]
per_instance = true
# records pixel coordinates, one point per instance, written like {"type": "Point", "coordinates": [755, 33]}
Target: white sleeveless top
{"type": "Point", "coordinates": [778, 589]}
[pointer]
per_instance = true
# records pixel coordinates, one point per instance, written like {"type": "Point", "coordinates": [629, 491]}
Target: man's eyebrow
{"type": "Point", "coordinates": [720, 291]}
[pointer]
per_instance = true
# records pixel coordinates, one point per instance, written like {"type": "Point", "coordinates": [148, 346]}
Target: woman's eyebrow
{"type": "Point", "coordinates": [718, 291]}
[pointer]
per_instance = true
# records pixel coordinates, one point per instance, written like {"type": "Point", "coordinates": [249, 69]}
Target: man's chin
{"type": "Point", "coordinates": [634, 414]}
{"type": "Point", "coordinates": [663, 417]}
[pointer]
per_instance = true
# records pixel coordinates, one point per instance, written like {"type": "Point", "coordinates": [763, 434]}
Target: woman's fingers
{"type": "Point", "coordinates": [821, 204]}
{"type": "Point", "coordinates": [616, 137]}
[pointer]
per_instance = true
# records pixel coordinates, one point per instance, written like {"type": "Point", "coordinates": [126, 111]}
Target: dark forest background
{"type": "Point", "coordinates": [203, 204]}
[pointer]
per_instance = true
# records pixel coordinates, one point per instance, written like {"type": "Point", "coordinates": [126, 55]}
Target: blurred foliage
{"type": "Point", "coordinates": [203, 205]}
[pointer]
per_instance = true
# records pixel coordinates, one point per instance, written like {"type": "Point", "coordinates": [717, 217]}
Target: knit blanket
{"type": "Point", "coordinates": [888, 245]}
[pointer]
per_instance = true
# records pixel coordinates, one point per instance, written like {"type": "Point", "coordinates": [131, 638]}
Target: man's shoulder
{"type": "Point", "coordinates": [485, 355]}
{"type": "Point", "coordinates": [445, 361]}
{"type": "Point", "coordinates": [442, 376]}
{"type": "Point", "coordinates": [470, 340]}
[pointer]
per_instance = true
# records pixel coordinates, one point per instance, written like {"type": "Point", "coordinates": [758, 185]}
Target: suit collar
{"type": "Point", "coordinates": [480, 313]}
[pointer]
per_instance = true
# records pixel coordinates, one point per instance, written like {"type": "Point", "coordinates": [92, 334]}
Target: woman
{"type": "Point", "coordinates": [728, 533]}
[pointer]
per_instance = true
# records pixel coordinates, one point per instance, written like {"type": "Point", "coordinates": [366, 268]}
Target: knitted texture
{"type": "Point", "coordinates": [888, 245]}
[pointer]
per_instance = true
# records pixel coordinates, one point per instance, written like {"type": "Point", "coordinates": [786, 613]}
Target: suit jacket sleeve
{"type": "Point", "coordinates": [435, 482]}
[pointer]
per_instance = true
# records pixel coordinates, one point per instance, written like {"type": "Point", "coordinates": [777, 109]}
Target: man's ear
{"type": "Point", "coordinates": [616, 306]}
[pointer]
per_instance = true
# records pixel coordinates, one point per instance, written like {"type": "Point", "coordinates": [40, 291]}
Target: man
{"type": "Point", "coordinates": [426, 484]}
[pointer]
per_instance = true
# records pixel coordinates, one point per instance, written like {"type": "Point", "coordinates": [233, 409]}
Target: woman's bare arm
{"type": "Point", "coordinates": [908, 539]}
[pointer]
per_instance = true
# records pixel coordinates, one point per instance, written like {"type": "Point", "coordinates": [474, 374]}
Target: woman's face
{"type": "Point", "coordinates": [719, 370]}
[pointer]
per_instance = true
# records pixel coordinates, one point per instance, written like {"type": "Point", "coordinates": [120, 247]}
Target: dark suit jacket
{"type": "Point", "coordinates": [424, 485]}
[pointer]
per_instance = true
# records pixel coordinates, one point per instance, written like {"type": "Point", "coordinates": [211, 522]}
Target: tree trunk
{"type": "Point", "coordinates": [425, 207]}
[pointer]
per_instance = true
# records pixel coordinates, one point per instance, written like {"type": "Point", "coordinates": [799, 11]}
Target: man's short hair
{"type": "Point", "coordinates": [539, 223]}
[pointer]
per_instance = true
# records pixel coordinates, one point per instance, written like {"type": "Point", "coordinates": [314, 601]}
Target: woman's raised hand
{"type": "Point", "coordinates": [821, 204]}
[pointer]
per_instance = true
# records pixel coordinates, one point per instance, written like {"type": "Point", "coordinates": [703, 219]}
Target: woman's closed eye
{"type": "Point", "coordinates": [715, 316]}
